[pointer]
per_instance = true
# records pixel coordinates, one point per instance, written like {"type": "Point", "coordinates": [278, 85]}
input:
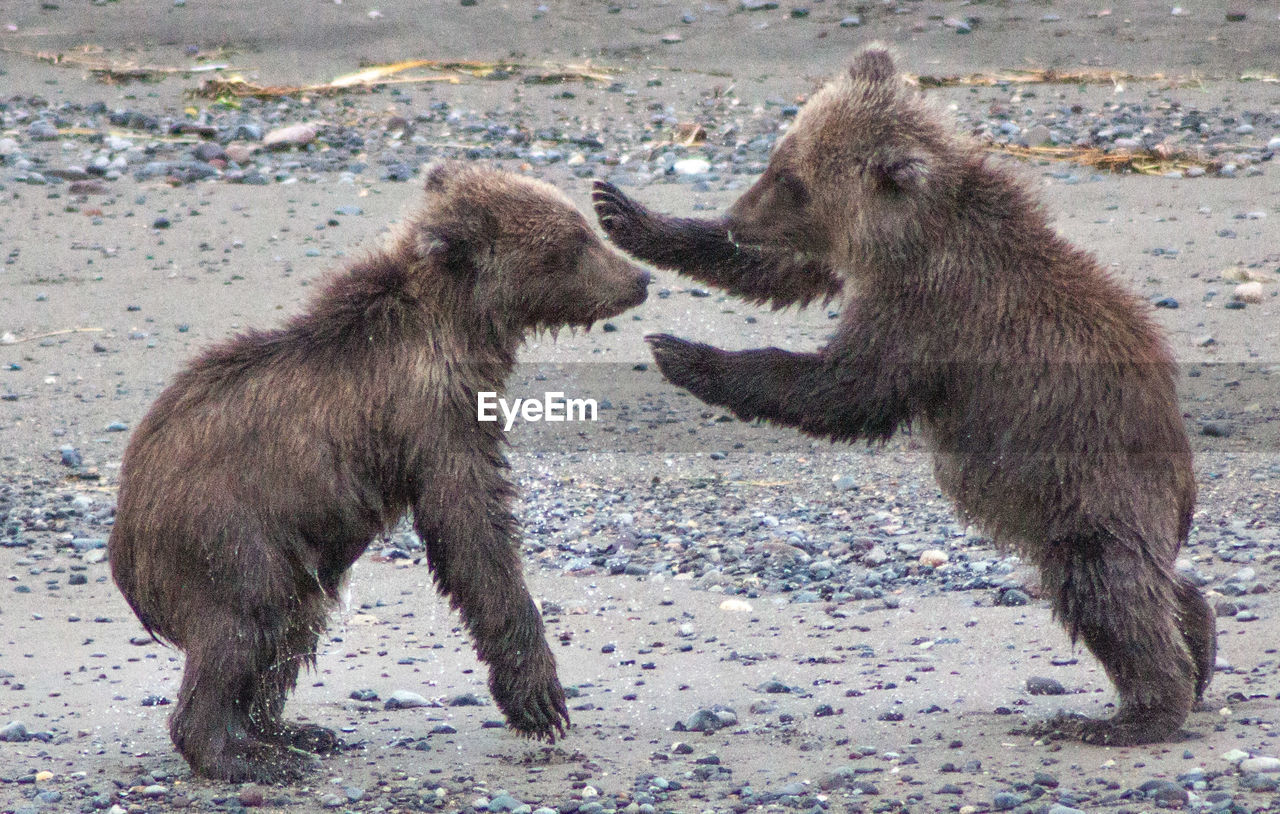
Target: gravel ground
{"type": "Point", "coordinates": [749, 620]}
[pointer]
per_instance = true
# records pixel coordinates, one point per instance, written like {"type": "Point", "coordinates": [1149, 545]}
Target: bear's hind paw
{"type": "Point", "coordinates": [1120, 730]}
{"type": "Point", "coordinates": [255, 761]}
{"type": "Point", "coordinates": [310, 738]}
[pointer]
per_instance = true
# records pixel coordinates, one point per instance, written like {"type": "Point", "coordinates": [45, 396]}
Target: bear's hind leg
{"type": "Point", "coordinates": [211, 725]}
{"type": "Point", "coordinates": [1128, 609]}
{"type": "Point", "coordinates": [279, 678]}
{"type": "Point", "coordinates": [1199, 628]}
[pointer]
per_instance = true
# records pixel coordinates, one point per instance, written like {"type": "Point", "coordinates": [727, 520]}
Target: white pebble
{"type": "Point", "coordinates": [933, 558]}
{"type": "Point", "coordinates": [404, 699]}
{"type": "Point", "coordinates": [691, 166]}
{"type": "Point", "coordinates": [1263, 765]}
{"type": "Point", "coordinates": [1248, 292]}
{"type": "Point", "coordinates": [294, 134]}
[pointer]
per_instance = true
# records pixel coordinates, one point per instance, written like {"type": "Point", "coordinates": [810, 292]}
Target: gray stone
{"type": "Point", "coordinates": [710, 720]}
{"type": "Point", "coordinates": [404, 699]}
{"type": "Point", "coordinates": [1260, 765]}
{"type": "Point", "coordinates": [15, 732]}
{"type": "Point", "coordinates": [1006, 800]}
{"type": "Point", "coordinates": [1040, 685]}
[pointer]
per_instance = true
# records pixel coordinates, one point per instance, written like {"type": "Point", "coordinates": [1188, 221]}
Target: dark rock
{"type": "Point", "coordinates": [709, 720]}
{"type": "Point", "coordinates": [1164, 792]}
{"type": "Point", "coordinates": [1216, 429]}
{"type": "Point", "coordinates": [1040, 685]}
{"type": "Point", "coordinates": [1014, 597]}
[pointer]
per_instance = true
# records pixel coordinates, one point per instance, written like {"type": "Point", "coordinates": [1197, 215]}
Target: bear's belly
{"type": "Point", "coordinates": [1009, 500]}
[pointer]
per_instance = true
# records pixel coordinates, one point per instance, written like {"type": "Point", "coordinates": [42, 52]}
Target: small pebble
{"type": "Point", "coordinates": [1251, 292]}
{"type": "Point", "coordinates": [709, 720]}
{"type": "Point", "coordinates": [294, 135]}
{"type": "Point", "coordinates": [404, 699]}
{"type": "Point", "coordinates": [1039, 685]}
{"type": "Point", "coordinates": [1260, 765]}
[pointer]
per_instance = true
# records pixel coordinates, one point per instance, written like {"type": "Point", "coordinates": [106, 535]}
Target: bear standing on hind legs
{"type": "Point", "coordinates": [1043, 389]}
{"type": "Point", "coordinates": [269, 465]}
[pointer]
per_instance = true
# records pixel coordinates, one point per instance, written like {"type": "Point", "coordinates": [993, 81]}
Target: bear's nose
{"type": "Point", "coordinates": [642, 285]}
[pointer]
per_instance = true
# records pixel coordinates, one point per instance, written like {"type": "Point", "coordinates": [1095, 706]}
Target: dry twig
{"type": "Point", "coordinates": [110, 71]}
{"type": "Point", "coordinates": [10, 339]}
{"type": "Point", "coordinates": [1050, 76]}
{"type": "Point", "coordinates": [374, 75]}
{"type": "Point", "coordinates": [1146, 162]}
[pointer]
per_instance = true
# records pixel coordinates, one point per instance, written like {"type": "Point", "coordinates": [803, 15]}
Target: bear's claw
{"type": "Point", "coordinates": [628, 224]}
{"type": "Point", "coordinates": [686, 364]}
{"type": "Point", "coordinates": [543, 718]}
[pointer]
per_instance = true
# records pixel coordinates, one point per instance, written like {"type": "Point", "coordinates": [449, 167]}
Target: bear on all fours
{"type": "Point", "coordinates": [1043, 389]}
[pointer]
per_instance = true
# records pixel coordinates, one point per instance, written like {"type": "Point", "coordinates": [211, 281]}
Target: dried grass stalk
{"type": "Point", "coordinates": [1146, 162]}
{"type": "Point", "coordinates": [374, 75]}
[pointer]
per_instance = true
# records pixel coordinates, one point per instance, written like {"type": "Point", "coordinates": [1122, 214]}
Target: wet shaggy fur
{"type": "Point", "coordinates": [1044, 390]}
{"type": "Point", "coordinates": [273, 460]}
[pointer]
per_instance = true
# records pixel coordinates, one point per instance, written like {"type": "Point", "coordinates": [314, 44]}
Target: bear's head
{"type": "Point", "coordinates": [863, 163]}
{"type": "Point", "coordinates": [522, 251]}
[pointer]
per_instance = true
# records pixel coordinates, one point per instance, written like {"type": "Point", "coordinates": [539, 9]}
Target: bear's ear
{"type": "Point", "coordinates": [447, 244]}
{"type": "Point", "coordinates": [462, 243]}
{"type": "Point", "coordinates": [438, 174]}
{"type": "Point", "coordinates": [874, 64]}
{"type": "Point", "coordinates": [904, 171]}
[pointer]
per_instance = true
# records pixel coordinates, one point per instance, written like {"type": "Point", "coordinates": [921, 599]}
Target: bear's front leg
{"type": "Point", "coordinates": [835, 398]}
{"type": "Point", "coordinates": [710, 252]}
{"type": "Point", "coordinates": [472, 548]}
{"type": "Point", "coordinates": [753, 385]}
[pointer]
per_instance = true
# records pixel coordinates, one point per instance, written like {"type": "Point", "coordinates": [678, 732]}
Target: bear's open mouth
{"type": "Point", "coordinates": [777, 250]}
{"type": "Point", "coordinates": [782, 255]}
{"type": "Point", "coordinates": [606, 312]}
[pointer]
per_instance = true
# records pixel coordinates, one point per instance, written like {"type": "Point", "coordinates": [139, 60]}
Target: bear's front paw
{"type": "Point", "coordinates": [533, 702]}
{"type": "Point", "coordinates": [691, 365]}
{"type": "Point", "coordinates": [247, 760]}
{"type": "Point", "coordinates": [628, 224]}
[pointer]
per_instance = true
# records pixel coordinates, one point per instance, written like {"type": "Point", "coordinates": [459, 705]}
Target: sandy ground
{"type": "Point", "coordinates": [645, 653]}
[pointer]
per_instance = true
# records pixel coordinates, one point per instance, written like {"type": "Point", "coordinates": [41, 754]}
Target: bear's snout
{"type": "Point", "coordinates": [642, 286]}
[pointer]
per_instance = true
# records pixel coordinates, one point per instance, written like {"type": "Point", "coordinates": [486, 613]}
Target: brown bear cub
{"type": "Point", "coordinates": [269, 465]}
{"type": "Point", "coordinates": [1045, 392]}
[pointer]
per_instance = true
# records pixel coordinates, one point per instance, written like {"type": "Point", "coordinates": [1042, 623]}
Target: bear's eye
{"type": "Point", "coordinates": [575, 250]}
{"type": "Point", "coordinates": [563, 258]}
{"type": "Point", "coordinates": [792, 189]}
